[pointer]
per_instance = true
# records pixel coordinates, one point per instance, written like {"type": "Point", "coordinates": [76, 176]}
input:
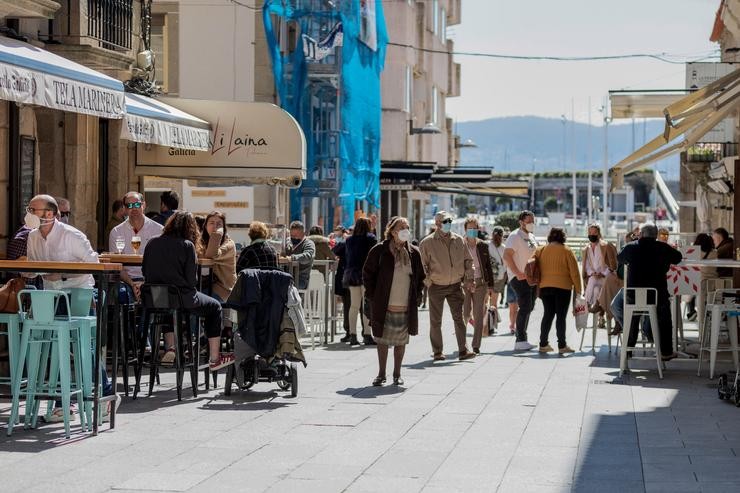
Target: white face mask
{"type": "Point", "coordinates": [529, 227]}
{"type": "Point", "coordinates": [404, 235]}
{"type": "Point", "coordinates": [32, 220]}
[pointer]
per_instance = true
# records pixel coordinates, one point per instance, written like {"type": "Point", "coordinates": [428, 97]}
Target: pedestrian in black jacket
{"type": "Point", "coordinates": [648, 263]}
{"type": "Point", "coordinates": [171, 259]}
{"type": "Point", "coordinates": [357, 247]}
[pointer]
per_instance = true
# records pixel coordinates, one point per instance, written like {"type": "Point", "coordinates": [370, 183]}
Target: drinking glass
{"type": "Point", "coordinates": [120, 244]}
{"type": "Point", "coordinates": [136, 244]}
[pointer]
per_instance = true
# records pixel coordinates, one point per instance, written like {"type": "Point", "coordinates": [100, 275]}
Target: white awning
{"type": "Point", "coordinates": [150, 121]}
{"type": "Point", "coordinates": [692, 117]}
{"type": "Point", "coordinates": [31, 75]}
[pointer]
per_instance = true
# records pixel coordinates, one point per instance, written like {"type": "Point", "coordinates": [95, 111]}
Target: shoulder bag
{"type": "Point", "coordinates": [532, 269]}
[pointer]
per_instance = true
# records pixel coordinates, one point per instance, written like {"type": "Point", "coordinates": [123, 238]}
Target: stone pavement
{"type": "Point", "coordinates": [500, 422]}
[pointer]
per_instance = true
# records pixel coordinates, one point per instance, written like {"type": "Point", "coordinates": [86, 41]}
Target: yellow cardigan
{"type": "Point", "coordinates": [558, 267]}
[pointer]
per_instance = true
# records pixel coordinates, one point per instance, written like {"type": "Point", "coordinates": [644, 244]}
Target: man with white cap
{"type": "Point", "coordinates": [448, 266]}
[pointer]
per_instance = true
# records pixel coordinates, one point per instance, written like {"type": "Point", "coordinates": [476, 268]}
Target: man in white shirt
{"type": "Point", "coordinates": [520, 246]}
{"type": "Point", "coordinates": [137, 224]}
{"type": "Point", "coordinates": [53, 241]}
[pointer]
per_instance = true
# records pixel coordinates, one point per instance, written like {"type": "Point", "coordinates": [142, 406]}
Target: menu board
{"type": "Point", "coordinates": [27, 168]}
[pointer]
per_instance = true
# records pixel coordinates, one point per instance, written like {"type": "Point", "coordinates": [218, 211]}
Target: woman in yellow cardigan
{"type": "Point", "coordinates": [558, 276]}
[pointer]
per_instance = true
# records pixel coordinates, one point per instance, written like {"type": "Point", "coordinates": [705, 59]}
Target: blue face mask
{"type": "Point", "coordinates": [471, 233]}
{"type": "Point", "coordinates": [446, 227]}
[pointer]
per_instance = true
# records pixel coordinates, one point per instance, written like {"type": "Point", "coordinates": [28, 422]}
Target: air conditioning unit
{"type": "Point", "coordinates": [719, 186]}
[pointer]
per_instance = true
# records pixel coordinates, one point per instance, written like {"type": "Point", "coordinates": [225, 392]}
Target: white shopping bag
{"type": "Point", "coordinates": [580, 312]}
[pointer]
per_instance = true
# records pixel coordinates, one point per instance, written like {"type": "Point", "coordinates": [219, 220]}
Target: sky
{"type": "Point", "coordinates": [494, 88]}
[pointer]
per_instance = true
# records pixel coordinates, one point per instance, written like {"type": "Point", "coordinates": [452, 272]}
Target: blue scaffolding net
{"type": "Point", "coordinates": [316, 31]}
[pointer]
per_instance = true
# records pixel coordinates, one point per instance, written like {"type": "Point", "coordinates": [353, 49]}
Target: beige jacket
{"type": "Point", "coordinates": [224, 264]}
{"type": "Point", "coordinates": [608, 253]}
{"type": "Point", "coordinates": [446, 259]}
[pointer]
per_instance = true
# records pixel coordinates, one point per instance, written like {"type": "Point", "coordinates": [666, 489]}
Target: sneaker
{"type": "Point", "coordinates": [225, 359]}
{"type": "Point", "coordinates": [353, 340]}
{"type": "Point", "coordinates": [116, 403]}
{"type": "Point", "coordinates": [566, 350]}
{"type": "Point", "coordinates": [546, 349]}
{"type": "Point", "coordinates": [368, 341]}
{"type": "Point", "coordinates": [345, 338]}
{"type": "Point", "coordinates": [466, 355]}
{"type": "Point", "coordinates": [691, 317]}
{"type": "Point", "coordinates": [523, 346]}
{"type": "Point", "coordinates": [476, 350]}
{"type": "Point", "coordinates": [57, 414]}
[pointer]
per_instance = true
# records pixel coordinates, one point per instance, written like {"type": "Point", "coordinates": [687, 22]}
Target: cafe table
{"type": "Point", "coordinates": [105, 274]}
{"type": "Point", "coordinates": [128, 259]}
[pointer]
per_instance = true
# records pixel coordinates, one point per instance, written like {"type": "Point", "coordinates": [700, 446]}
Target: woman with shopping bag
{"type": "Point", "coordinates": [559, 276]}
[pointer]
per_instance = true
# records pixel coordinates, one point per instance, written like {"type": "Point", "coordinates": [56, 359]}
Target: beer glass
{"type": "Point", "coordinates": [136, 244]}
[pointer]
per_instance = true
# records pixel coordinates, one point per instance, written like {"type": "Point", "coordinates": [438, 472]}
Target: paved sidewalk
{"type": "Point", "coordinates": [501, 422]}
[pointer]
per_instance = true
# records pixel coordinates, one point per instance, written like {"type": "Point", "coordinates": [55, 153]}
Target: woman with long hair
{"type": "Point", "coordinates": [356, 248]}
{"type": "Point", "coordinates": [171, 259]}
{"type": "Point", "coordinates": [216, 244]}
{"type": "Point", "coordinates": [393, 277]}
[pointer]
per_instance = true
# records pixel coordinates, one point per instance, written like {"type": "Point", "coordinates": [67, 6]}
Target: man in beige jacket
{"type": "Point", "coordinates": [449, 270]}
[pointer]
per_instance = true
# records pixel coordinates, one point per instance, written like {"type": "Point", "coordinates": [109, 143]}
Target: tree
{"type": "Point", "coordinates": [550, 204]}
{"type": "Point", "coordinates": [503, 202]}
{"type": "Point", "coordinates": [508, 220]}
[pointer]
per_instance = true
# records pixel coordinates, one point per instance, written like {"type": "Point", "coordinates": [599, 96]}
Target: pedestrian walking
{"type": "Point", "coordinates": [356, 248]}
{"type": "Point", "coordinates": [449, 268]}
{"type": "Point", "coordinates": [498, 268]}
{"type": "Point", "coordinates": [393, 277]}
{"type": "Point", "coordinates": [519, 248]}
{"type": "Point", "coordinates": [475, 299]}
{"type": "Point", "coordinates": [559, 276]}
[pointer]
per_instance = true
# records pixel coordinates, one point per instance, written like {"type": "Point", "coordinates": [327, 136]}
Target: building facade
{"type": "Point", "coordinates": [68, 153]}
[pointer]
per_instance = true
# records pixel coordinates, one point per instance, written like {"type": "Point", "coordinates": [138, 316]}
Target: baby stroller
{"type": "Point", "coordinates": [729, 391]}
{"type": "Point", "coordinates": [270, 320]}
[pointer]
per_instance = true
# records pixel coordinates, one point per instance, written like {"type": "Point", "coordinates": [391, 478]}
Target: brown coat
{"type": "Point", "coordinates": [224, 263]}
{"type": "Point", "coordinates": [608, 253]}
{"type": "Point", "coordinates": [377, 277]}
{"type": "Point", "coordinates": [485, 262]}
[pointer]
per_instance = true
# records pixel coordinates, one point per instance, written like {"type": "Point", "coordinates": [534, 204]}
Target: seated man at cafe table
{"type": "Point", "coordinates": [302, 251]}
{"type": "Point", "coordinates": [648, 262]}
{"type": "Point", "coordinates": [137, 225]}
{"type": "Point", "coordinates": [51, 240]}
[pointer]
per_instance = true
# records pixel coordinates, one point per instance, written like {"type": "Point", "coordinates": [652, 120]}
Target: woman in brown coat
{"type": "Point", "coordinates": [393, 278]}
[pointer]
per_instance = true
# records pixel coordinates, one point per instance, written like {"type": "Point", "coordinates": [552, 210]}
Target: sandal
{"type": "Point", "coordinates": [169, 357]}
{"type": "Point", "coordinates": [225, 359]}
{"type": "Point", "coordinates": [378, 381]}
{"type": "Point", "coordinates": [397, 380]}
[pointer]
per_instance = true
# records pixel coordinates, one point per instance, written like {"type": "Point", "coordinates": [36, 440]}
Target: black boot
{"type": "Point", "coordinates": [368, 341]}
{"type": "Point", "coordinates": [353, 340]}
{"type": "Point", "coordinates": [346, 338]}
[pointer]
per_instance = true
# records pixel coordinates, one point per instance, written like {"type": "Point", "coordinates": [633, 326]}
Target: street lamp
{"type": "Point", "coordinates": [429, 128]}
{"type": "Point", "coordinates": [467, 143]}
{"type": "Point", "coordinates": [605, 190]}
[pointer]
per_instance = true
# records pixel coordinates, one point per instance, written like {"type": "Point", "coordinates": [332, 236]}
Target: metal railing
{"type": "Point", "coordinates": [111, 23]}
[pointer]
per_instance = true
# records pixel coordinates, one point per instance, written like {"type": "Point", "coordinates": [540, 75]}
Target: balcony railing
{"type": "Point", "coordinates": [710, 152]}
{"type": "Point", "coordinates": [110, 22]}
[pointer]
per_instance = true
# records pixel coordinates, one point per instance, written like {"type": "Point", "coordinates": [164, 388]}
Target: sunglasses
{"type": "Point", "coordinates": [65, 213]}
{"type": "Point", "coordinates": [447, 221]}
{"type": "Point", "coordinates": [133, 205]}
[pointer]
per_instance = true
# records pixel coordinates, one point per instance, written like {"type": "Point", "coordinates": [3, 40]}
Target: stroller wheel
{"type": "Point", "coordinates": [283, 383]}
{"type": "Point", "coordinates": [722, 387]}
{"type": "Point", "coordinates": [293, 380]}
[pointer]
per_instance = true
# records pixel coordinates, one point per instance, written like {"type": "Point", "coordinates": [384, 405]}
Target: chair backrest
{"type": "Point", "coordinates": [726, 296]}
{"type": "Point", "coordinates": [45, 304]}
{"type": "Point", "coordinates": [639, 297]}
{"type": "Point", "coordinates": [316, 281]}
{"type": "Point", "coordinates": [81, 301]}
{"type": "Point", "coordinates": [161, 297]}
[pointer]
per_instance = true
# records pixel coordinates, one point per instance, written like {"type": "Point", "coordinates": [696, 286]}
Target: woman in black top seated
{"type": "Point", "coordinates": [171, 259]}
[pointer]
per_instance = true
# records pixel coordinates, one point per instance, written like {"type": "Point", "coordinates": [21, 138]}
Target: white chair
{"type": "Point", "coordinates": [594, 327]}
{"type": "Point", "coordinates": [724, 302]}
{"type": "Point", "coordinates": [313, 303]}
{"type": "Point", "coordinates": [645, 302]}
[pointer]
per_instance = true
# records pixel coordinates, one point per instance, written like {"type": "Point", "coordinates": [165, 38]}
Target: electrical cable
{"type": "Point", "coordinates": [663, 57]}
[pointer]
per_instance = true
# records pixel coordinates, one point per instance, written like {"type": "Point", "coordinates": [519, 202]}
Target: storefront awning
{"type": "Point", "coordinates": [691, 117]}
{"type": "Point", "coordinates": [31, 75]}
{"type": "Point", "coordinates": [151, 121]}
{"type": "Point", "coordinates": [515, 189]}
{"type": "Point", "coordinates": [248, 143]}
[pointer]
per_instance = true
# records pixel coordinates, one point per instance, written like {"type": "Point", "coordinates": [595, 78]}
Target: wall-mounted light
{"type": "Point", "coordinates": [429, 128]}
{"type": "Point", "coordinates": [466, 143]}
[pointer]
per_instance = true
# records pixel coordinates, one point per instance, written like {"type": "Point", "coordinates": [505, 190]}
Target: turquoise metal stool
{"type": "Point", "coordinates": [43, 332]}
{"type": "Point", "coordinates": [10, 326]}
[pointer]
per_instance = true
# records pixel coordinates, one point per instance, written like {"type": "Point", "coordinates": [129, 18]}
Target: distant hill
{"type": "Point", "coordinates": [512, 144]}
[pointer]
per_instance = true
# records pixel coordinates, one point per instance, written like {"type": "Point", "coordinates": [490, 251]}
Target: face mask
{"type": "Point", "coordinates": [404, 235]}
{"type": "Point", "coordinates": [295, 241]}
{"type": "Point", "coordinates": [446, 227]}
{"type": "Point", "coordinates": [593, 238]}
{"type": "Point", "coordinates": [339, 239]}
{"type": "Point", "coordinates": [32, 220]}
{"type": "Point", "coordinates": [529, 227]}
{"type": "Point", "coordinates": [471, 233]}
